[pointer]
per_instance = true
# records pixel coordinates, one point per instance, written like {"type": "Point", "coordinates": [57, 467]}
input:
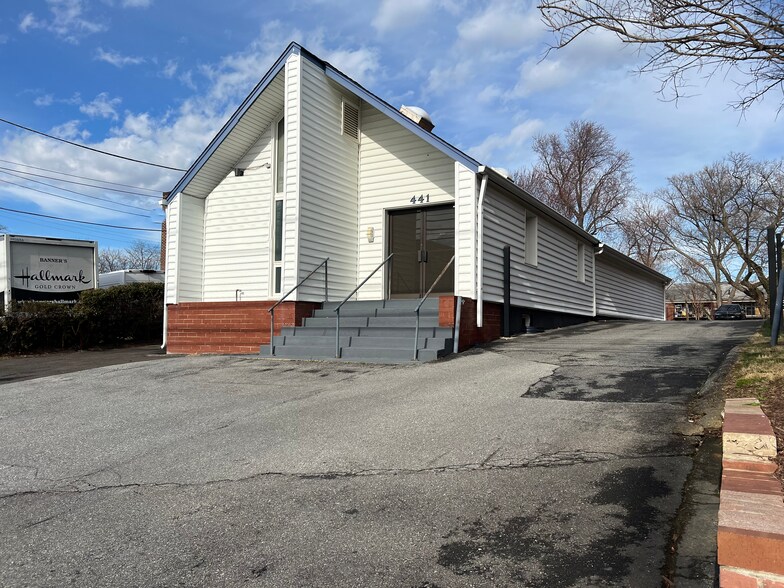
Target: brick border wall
{"type": "Point", "coordinates": [470, 334]}
{"type": "Point", "coordinates": [751, 510]}
{"type": "Point", "coordinates": [229, 327]}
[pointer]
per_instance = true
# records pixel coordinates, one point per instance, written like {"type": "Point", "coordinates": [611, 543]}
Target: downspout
{"type": "Point", "coordinates": [597, 252]}
{"type": "Point", "coordinates": [164, 207]}
{"type": "Point", "coordinates": [480, 246]}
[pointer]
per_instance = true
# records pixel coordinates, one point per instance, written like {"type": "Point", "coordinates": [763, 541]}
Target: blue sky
{"type": "Point", "coordinates": [155, 79]}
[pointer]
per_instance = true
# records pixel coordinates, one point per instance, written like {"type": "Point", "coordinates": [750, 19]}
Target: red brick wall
{"type": "Point", "coordinates": [229, 327]}
{"type": "Point", "coordinates": [470, 334]}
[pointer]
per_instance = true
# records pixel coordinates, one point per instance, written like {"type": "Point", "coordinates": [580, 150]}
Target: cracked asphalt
{"type": "Point", "coordinates": [545, 460]}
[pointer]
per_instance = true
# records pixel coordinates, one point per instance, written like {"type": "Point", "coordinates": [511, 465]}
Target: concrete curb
{"type": "Point", "coordinates": [751, 508]}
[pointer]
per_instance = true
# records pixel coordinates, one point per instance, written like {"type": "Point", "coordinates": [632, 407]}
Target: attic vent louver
{"type": "Point", "coordinates": [350, 120]}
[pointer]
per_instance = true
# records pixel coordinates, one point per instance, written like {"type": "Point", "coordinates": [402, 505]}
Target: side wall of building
{"type": "Point", "coordinates": [329, 187]}
{"type": "Point", "coordinates": [551, 284]}
{"type": "Point", "coordinates": [190, 249]}
{"type": "Point", "coordinates": [395, 165]}
{"type": "Point", "coordinates": [465, 231]}
{"type": "Point", "coordinates": [626, 292]}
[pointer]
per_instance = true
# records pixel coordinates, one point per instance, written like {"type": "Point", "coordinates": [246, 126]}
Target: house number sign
{"type": "Point", "coordinates": [421, 199]}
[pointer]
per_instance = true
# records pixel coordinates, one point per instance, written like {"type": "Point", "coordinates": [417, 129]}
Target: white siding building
{"type": "Point", "coordinates": [312, 167]}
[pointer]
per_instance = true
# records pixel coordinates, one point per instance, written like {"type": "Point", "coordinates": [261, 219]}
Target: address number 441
{"type": "Point", "coordinates": [421, 199]}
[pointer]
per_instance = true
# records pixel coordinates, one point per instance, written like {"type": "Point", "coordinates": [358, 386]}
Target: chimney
{"type": "Point", "coordinates": [419, 116]}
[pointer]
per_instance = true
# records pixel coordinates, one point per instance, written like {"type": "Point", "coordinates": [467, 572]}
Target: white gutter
{"type": "Point", "coordinates": [480, 246]}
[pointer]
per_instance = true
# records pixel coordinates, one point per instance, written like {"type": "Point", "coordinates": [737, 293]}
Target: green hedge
{"type": "Point", "coordinates": [132, 313]}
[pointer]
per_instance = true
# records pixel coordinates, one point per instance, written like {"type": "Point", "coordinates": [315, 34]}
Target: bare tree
{"type": "Point", "coordinates": [644, 233]}
{"type": "Point", "coordinates": [143, 255]}
{"type": "Point", "coordinates": [584, 176]}
{"type": "Point", "coordinates": [110, 260]}
{"type": "Point", "coordinates": [717, 223]}
{"type": "Point", "coordinates": [685, 36]}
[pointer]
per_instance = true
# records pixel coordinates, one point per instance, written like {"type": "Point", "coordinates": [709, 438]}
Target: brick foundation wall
{"type": "Point", "coordinates": [470, 334]}
{"type": "Point", "coordinates": [229, 327]}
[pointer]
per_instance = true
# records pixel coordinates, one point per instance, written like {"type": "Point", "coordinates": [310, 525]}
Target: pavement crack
{"type": "Point", "coordinates": [548, 460]}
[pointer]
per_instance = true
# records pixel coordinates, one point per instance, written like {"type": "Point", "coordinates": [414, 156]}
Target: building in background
{"type": "Point", "coordinates": [46, 269]}
{"type": "Point", "coordinates": [698, 302]}
{"type": "Point", "coordinates": [129, 276]}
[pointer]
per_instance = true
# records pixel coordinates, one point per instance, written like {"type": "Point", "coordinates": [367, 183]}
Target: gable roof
{"type": "Point", "coordinates": [219, 157]}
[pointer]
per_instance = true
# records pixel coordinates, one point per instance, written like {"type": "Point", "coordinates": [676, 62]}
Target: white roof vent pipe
{"type": "Point", "coordinates": [419, 116]}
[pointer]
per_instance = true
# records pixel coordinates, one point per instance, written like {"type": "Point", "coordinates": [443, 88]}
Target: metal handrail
{"type": "Point", "coordinates": [421, 302]}
{"type": "Point", "coordinates": [354, 291]}
{"type": "Point", "coordinates": [282, 298]}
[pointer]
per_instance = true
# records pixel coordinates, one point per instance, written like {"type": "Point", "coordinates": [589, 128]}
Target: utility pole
{"type": "Point", "coordinates": [773, 256]}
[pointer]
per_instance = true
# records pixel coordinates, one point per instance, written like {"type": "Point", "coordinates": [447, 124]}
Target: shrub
{"type": "Point", "coordinates": [132, 313]}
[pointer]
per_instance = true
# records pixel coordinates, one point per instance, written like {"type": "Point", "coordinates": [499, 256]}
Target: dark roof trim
{"type": "Point", "coordinates": [618, 256]}
{"type": "Point", "coordinates": [232, 122]}
{"type": "Point", "coordinates": [506, 184]}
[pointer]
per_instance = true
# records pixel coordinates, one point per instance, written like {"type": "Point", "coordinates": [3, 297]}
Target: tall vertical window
{"type": "Point", "coordinates": [581, 262]}
{"type": "Point", "coordinates": [277, 237]}
{"type": "Point", "coordinates": [531, 239]}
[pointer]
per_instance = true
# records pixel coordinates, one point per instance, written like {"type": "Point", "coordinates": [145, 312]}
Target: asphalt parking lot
{"type": "Point", "coordinates": [545, 460]}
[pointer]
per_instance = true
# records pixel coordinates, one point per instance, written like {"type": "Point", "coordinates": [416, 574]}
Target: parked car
{"type": "Point", "coordinates": [729, 312]}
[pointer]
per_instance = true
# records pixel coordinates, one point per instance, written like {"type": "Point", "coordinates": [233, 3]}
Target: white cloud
{"type": "Point", "coordinates": [360, 64]}
{"type": "Point", "coordinates": [68, 21]}
{"type": "Point", "coordinates": [116, 59]}
{"type": "Point", "coordinates": [136, 3]}
{"type": "Point", "coordinates": [510, 147]}
{"type": "Point", "coordinates": [170, 69]}
{"type": "Point", "coordinates": [45, 100]}
{"type": "Point", "coordinates": [397, 14]}
{"type": "Point", "coordinates": [102, 107]}
{"type": "Point", "coordinates": [503, 25]}
{"type": "Point", "coordinates": [29, 22]}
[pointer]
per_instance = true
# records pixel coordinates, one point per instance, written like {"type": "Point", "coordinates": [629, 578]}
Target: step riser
{"type": "Point", "coordinates": [370, 331]}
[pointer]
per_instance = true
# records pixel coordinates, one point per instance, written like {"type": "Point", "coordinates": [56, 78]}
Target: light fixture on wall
{"type": "Point", "coordinates": [371, 234]}
{"type": "Point", "coordinates": [239, 171]}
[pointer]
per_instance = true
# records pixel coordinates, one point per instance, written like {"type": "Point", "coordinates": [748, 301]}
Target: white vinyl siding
{"type": "Point", "coordinates": [394, 166]}
{"type": "Point", "coordinates": [328, 190]}
{"type": "Point", "coordinates": [190, 244]}
{"type": "Point", "coordinates": [172, 239]}
{"type": "Point", "coordinates": [237, 229]}
{"type": "Point", "coordinates": [465, 231]}
{"type": "Point", "coordinates": [551, 284]}
{"type": "Point", "coordinates": [292, 112]}
{"type": "Point", "coordinates": [623, 291]}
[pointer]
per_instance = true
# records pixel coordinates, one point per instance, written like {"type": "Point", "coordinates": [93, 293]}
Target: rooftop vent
{"type": "Point", "coordinates": [419, 116]}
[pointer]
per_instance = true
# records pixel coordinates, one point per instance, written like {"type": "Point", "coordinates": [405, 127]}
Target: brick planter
{"type": "Point", "coordinates": [751, 511]}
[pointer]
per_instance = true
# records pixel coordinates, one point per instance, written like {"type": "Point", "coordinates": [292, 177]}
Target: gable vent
{"type": "Point", "coordinates": [351, 121]}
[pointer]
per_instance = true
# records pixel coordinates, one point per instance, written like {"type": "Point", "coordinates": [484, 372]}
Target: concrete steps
{"type": "Point", "coordinates": [372, 331]}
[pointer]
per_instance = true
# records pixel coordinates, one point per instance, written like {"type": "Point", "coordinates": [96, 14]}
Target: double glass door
{"type": "Point", "coordinates": [423, 241]}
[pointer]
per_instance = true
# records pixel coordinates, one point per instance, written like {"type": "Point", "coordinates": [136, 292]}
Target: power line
{"type": "Point", "coordinates": [109, 200]}
{"type": "Point", "coordinates": [70, 220]}
{"type": "Point", "coordinates": [71, 199]}
{"type": "Point", "coordinates": [54, 171]}
{"type": "Point", "coordinates": [27, 173]}
{"type": "Point", "coordinates": [28, 129]}
{"type": "Point", "coordinates": [9, 173]}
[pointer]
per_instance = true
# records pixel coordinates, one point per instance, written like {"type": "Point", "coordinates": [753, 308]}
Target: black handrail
{"type": "Point", "coordinates": [282, 298]}
{"type": "Point", "coordinates": [354, 291]}
{"type": "Point", "coordinates": [421, 302]}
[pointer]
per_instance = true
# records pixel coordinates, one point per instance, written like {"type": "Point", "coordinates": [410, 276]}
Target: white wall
{"type": "Point", "coordinates": [552, 284]}
{"type": "Point", "coordinates": [465, 231]}
{"type": "Point", "coordinates": [329, 185]}
{"type": "Point", "coordinates": [394, 165]}
{"type": "Point", "coordinates": [237, 229]}
{"type": "Point", "coordinates": [292, 111]}
{"type": "Point", "coordinates": [172, 257]}
{"type": "Point", "coordinates": [623, 291]}
{"type": "Point", "coordinates": [190, 245]}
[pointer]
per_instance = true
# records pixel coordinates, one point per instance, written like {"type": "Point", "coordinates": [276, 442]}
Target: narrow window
{"type": "Point", "coordinates": [278, 244]}
{"type": "Point", "coordinates": [531, 239]}
{"type": "Point", "coordinates": [581, 262]}
{"type": "Point", "coordinates": [277, 221]}
{"type": "Point", "coordinates": [280, 159]}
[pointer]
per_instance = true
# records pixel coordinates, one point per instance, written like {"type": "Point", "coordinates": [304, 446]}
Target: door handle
{"type": "Point", "coordinates": [422, 256]}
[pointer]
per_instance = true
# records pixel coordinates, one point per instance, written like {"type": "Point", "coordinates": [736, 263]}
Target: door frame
{"type": "Point", "coordinates": [387, 285]}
